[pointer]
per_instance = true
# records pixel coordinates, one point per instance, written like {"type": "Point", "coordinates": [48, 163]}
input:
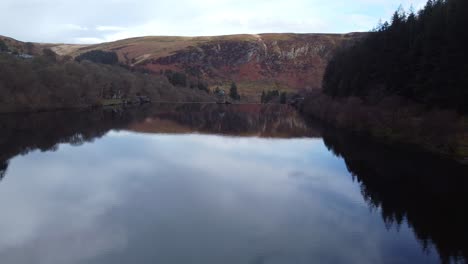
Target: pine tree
{"type": "Point", "coordinates": [3, 46]}
{"type": "Point", "coordinates": [418, 56]}
{"type": "Point", "coordinates": [233, 92]}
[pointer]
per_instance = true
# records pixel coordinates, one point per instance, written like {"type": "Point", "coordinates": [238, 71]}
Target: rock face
{"type": "Point", "coordinates": [291, 61]}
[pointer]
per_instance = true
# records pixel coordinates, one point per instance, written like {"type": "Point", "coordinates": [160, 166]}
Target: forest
{"type": "Point", "coordinates": [405, 81]}
{"type": "Point", "coordinates": [99, 56]}
{"type": "Point", "coordinates": [419, 56]}
{"type": "Point", "coordinates": [51, 82]}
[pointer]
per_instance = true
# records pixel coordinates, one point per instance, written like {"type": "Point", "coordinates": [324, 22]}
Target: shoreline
{"type": "Point", "coordinates": [441, 132]}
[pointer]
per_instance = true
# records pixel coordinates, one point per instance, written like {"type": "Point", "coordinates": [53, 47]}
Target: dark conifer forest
{"type": "Point", "coordinates": [419, 56]}
{"type": "Point", "coordinates": [99, 56]}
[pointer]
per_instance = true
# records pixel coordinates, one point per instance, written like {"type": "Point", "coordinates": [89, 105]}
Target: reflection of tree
{"type": "Point", "coordinates": [427, 192]}
{"type": "Point", "coordinates": [21, 133]}
{"type": "Point", "coordinates": [3, 169]}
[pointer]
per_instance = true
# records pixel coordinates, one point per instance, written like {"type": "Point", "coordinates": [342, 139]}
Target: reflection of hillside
{"type": "Point", "coordinates": [427, 192]}
{"type": "Point", "coordinates": [21, 133]}
{"type": "Point", "coordinates": [239, 120]}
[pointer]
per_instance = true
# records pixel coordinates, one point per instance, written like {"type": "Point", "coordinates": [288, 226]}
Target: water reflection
{"type": "Point", "coordinates": [3, 168]}
{"type": "Point", "coordinates": [276, 121]}
{"type": "Point", "coordinates": [24, 132]}
{"type": "Point", "coordinates": [426, 191]}
{"type": "Point", "coordinates": [274, 195]}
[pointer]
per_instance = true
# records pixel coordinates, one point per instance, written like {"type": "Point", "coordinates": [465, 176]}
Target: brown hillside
{"type": "Point", "coordinates": [287, 62]}
{"type": "Point", "coordinates": [256, 62]}
{"type": "Point", "coordinates": [22, 47]}
{"type": "Point", "coordinates": [33, 48]}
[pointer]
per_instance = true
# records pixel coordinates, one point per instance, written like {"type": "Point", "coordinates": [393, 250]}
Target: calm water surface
{"type": "Point", "coordinates": [219, 184]}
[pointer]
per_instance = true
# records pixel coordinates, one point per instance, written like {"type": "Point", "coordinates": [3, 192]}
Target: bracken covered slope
{"type": "Point", "coordinates": [288, 62]}
{"type": "Point", "coordinates": [256, 62]}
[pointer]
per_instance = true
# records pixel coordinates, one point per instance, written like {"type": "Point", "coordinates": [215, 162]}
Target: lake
{"type": "Point", "coordinates": [193, 183]}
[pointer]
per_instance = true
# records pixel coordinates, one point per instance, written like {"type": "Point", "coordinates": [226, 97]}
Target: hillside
{"type": "Point", "coordinates": [22, 47]}
{"type": "Point", "coordinates": [44, 81]}
{"type": "Point", "coordinates": [288, 62]}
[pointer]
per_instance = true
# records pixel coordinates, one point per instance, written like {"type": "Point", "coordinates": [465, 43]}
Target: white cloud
{"type": "Point", "coordinates": [88, 40]}
{"type": "Point", "coordinates": [109, 28]}
{"type": "Point", "coordinates": [73, 27]}
{"type": "Point", "coordinates": [95, 21]}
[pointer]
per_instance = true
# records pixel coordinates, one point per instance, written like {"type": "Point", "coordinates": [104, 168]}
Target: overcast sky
{"type": "Point", "coordinates": [92, 21]}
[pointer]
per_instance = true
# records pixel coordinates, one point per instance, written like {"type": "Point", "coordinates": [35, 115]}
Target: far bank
{"type": "Point", "coordinates": [395, 120]}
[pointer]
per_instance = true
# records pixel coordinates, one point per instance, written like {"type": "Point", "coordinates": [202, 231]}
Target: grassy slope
{"type": "Point", "coordinates": [152, 47]}
{"type": "Point", "coordinates": [137, 50]}
{"type": "Point", "coordinates": [143, 48]}
{"type": "Point", "coordinates": [134, 51]}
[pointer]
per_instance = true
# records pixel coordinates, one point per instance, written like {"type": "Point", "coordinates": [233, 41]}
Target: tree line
{"type": "Point", "coordinates": [180, 79]}
{"type": "Point", "coordinates": [420, 56]}
{"type": "Point", "coordinates": [3, 46]}
{"type": "Point", "coordinates": [51, 82]}
{"type": "Point", "coordinates": [99, 56]}
{"type": "Point", "coordinates": [273, 96]}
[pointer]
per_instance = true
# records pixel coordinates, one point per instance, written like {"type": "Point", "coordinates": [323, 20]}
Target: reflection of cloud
{"type": "Point", "coordinates": [59, 245]}
{"type": "Point", "coordinates": [188, 198]}
{"type": "Point", "coordinates": [54, 216]}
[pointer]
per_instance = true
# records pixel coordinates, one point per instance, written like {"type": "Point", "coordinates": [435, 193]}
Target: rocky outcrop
{"type": "Point", "coordinates": [296, 61]}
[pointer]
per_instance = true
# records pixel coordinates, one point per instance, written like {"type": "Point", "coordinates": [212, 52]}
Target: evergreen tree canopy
{"type": "Point", "coordinates": [420, 56]}
{"type": "Point", "coordinates": [99, 56]}
{"type": "Point", "coordinates": [233, 92]}
{"type": "Point", "coordinates": [176, 78]}
{"type": "Point", "coordinates": [203, 86]}
{"type": "Point", "coordinates": [3, 46]}
{"type": "Point", "coordinates": [272, 95]}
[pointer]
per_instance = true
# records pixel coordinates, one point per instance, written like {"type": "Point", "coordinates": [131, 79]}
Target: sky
{"type": "Point", "coordinates": [95, 21]}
